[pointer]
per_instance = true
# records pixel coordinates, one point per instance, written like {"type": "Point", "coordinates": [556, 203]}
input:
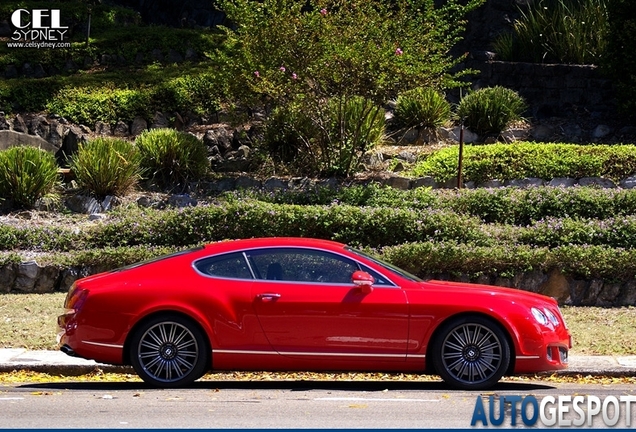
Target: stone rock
{"type": "Point", "coordinates": [19, 125]}
{"type": "Point", "coordinates": [174, 56]}
{"type": "Point", "coordinates": [401, 183]}
{"type": "Point", "coordinates": [628, 183]}
{"type": "Point", "coordinates": [70, 144]}
{"type": "Point", "coordinates": [514, 134]}
{"type": "Point", "coordinates": [156, 55]}
{"type": "Point", "coordinates": [47, 280]}
{"type": "Point", "coordinates": [245, 182]}
{"type": "Point", "coordinates": [121, 129]}
{"type": "Point", "coordinates": [4, 124]}
{"type": "Point", "coordinates": [243, 152]}
{"type": "Point", "coordinates": [562, 182]}
{"type": "Point", "coordinates": [274, 183]}
{"type": "Point", "coordinates": [83, 204]}
{"type": "Point", "coordinates": [407, 156]}
{"type": "Point", "coordinates": [492, 184]}
{"type": "Point", "coordinates": [557, 286]}
{"type": "Point", "coordinates": [597, 181]}
{"type": "Point", "coordinates": [591, 294]}
{"type": "Point", "coordinates": [331, 183]}
{"type": "Point", "coordinates": [424, 182]}
{"type": "Point", "coordinates": [181, 201]}
{"type": "Point", "coordinates": [139, 125]}
{"type": "Point", "coordinates": [525, 182]}
{"type": "Point", "coordinates": [454, 135]}
{"type": "Point", "coordinates": [221, 138]}
{"type": "Point", "coordinates": [160, 121]}
{"type": "Point", "coordinates": [102, 128]}
{"type": "Point", "coordinates": [532, 281]}
{"type": "Point", "coordinates": [57, 131]}
{"type": "Point", "coordinates": [541, 133]}
{"type": "Point", "coordinates": [627, 297]}
{"type": "Point", "coordinates": [411, 136]}
{"type": "Point", "coordinates": [11, 72]}
{"type": "Point", "coordinates": [7, 277]}
{"type": "Point", "coordinates": [11, 138]}
{"type": "Point", "coordinates": [40, 126]}
{"type": "Point", "coordinates": [609, 295]}
{"type": "Point", "coordinates": [578, 289]}
{"type": "Point", "coordinates": [26, 276]}
{"type": "Point", "coordinates": [222, 185]}
{"type": "Point", "coordinates": [601, 131]}
{"type": "Point", "coordinates": [97, 216]}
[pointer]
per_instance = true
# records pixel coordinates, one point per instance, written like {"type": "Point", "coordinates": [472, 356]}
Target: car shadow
{"type": "Point", "coordinates": [301, 385]}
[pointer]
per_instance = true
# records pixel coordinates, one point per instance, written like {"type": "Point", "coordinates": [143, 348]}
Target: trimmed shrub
{"type": "Point", "coordinates": [107, 166]}
{"type": "Point", "coordinates": [172, 158]}
{"type": "Point", "coordinates": [26, 175]}
{"type": "Point", "coordinates": [489, 111]}
{"type": "Point", "coordinates": [520, 160]}
{"type": "Point", "coordinates": [421, 107]}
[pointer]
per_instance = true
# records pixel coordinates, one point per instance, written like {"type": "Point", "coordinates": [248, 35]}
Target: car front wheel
{"type": "Point", "coordinates": [471, 353]}
{"type": "Point", "coordinates": [169, 351]}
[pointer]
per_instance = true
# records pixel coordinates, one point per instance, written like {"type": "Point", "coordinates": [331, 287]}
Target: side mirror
{"type": "Point", "coordinates": [363, 280]}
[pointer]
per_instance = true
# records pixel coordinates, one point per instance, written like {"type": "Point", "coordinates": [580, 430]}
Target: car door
{"type": "Point", "coordinates": [309, 307]}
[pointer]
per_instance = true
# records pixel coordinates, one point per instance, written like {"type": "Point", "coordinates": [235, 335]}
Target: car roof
{"type": "Point", "coordinates": [229, 245]}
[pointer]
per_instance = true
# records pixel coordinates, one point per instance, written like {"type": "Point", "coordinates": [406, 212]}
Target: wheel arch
{"type": "Point", "coordinates": [430, 368]}
{"type": "Point", "coordinates": [167, 313]}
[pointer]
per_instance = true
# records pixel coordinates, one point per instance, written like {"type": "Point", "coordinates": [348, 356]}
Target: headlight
{"type": "Point", "coordinates": [539, 316]}
{"type": "Point", "coordinates": [552, 317]}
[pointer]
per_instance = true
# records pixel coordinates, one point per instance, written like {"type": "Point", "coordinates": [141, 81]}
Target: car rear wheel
{"type": "Point", "coordinates": [169, 351]}
{"type": "Point", "coordinates": [471, 353]}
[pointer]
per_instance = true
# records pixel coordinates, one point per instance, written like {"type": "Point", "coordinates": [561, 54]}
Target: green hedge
{"type": "Point", "coordinates": [515, 161]}
{"type": "Point", "coordinates": [427, 259]}
{"type": "Point", "coordinates": [502, 205]}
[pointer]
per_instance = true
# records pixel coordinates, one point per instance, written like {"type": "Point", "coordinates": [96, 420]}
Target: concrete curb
{"type": "Point", "coordinates": [58, 363]}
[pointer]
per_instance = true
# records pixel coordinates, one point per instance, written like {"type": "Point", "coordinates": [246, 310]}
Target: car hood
{"type": "Point", "coordinates": [470, 289]}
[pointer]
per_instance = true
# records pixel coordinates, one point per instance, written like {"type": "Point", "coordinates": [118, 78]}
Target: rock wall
{"type": "Point", "coordinates": [31, 277]}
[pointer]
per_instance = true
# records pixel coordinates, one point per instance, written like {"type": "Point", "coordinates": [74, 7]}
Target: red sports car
{"type": "Point", "coordinates": [304, 304]}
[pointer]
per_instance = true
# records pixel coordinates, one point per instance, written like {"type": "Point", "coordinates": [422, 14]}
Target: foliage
{"type": "Point", "coordinates": [320, 53]}
{"type": "Point", "coordinates": [558, 31]}
{"type": "Point", "coordinates": [520, 160]}
{"type": "Point", "coordinates": [106, 103]}
{"type": "Point", "coordinates": [621, 53]}
{"type": "Point", "coordinates": [27, 174]}
{"type": "Point", "coordinates": [106, 166]}
{"type": "Point", "coordinates": [421, 107]}
{"type": "Point", "coordinates": [488, 111]}
{"type": "Point", "coordinates": [172, 158]}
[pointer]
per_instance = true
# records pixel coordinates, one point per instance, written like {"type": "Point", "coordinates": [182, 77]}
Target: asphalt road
{"type": "Point", "coordinates": [279, 404]}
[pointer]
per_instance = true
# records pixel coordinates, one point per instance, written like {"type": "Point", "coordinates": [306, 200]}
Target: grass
{"type": "Point", "coordinates": [29, 321]}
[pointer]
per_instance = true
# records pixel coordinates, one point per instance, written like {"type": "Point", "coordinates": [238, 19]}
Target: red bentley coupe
{"type": "Point", "coordinates": [283, 304]}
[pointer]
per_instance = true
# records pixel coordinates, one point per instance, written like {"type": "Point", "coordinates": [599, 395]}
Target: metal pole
{"type": "Point", "coordinates": [88, 31]}
{"type": "Point", "coordinates": [461, 154]}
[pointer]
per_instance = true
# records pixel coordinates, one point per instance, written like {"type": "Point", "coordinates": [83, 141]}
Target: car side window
{"type": "Point", "coordinates": [302, 265]}
{"type": "Point", "coordinates": [232, 265]}
{"type": "Point", "coordinates": [379, 279]}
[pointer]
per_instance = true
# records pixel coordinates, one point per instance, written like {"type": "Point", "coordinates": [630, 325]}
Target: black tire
{"type": "Point", "coordinates": [471, 353]}
{"type": "Point", "coordinates": [169, 351]}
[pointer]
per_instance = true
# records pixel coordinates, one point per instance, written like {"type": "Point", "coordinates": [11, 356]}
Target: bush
{"type": "Point", "coordinates": [421, 107]}
{"type": "Point", "coordinates": [106, 103]}
{"type": "Point", "coordinates": [107, 166]}
{"type": "Point", "coordinates": [172, 158]}
{"type": "Point", "coordinates": [489, 111]}
{"type": "Point", "coordinates": [26, 175]}
{"type": "Point", "coordinates": [558, 31]}
{"type": "Point", "coordinates": [520, 160]}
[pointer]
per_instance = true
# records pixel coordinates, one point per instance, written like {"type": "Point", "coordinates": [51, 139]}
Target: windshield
{"type": "Point", "coordinates": [385, 264]}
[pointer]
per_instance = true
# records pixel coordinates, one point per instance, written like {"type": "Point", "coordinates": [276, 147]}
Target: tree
{"type": "Point", "coordinates": [322, 54]}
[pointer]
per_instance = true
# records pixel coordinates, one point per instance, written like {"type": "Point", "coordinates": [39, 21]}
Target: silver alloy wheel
{"type": "Point", "coordinates": [168, 351]}
{"type": "Point", "coordinates": [472, 353]}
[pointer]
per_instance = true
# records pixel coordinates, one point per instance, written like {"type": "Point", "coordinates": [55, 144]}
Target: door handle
{"type": "Point", "coordinates": [268, 297]}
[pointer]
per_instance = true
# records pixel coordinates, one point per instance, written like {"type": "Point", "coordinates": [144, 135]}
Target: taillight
{"type": "Point", "coordinates": [75, 298]}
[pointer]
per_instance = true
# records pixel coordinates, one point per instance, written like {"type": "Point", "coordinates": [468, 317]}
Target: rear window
{"type": "Point", "coordinates": [232, 265]}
